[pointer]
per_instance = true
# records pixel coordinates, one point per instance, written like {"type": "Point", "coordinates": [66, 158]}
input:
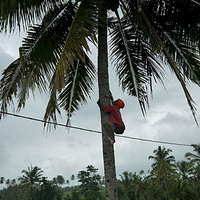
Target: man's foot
{"type": "Point", "coordinates": [112, 141]}
{"type": "Point", "coordinates": [107, 140]}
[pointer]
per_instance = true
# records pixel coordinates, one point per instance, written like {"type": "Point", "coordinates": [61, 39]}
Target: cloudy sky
{"type": "Point", "coordinates": [65, 152]}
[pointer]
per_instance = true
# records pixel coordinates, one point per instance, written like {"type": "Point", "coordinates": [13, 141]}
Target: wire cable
{"type": "Point", "coordinates": [94, 131]}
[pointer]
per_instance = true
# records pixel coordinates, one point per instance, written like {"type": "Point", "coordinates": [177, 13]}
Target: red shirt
{"type": "Point", "coordinates": [115, 115]}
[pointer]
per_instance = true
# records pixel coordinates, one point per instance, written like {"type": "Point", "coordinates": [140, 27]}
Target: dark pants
{"type": "Point", "coordinates": [111, 128]}
{"type": "Point", "coordinates": [119, 129]}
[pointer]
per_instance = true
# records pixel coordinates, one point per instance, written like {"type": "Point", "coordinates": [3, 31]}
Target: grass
{"type": "Point", "coordinates": [102, 192]}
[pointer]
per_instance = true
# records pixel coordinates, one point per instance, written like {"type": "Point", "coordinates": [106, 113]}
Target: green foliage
{"type": "Point", "coordinates": [13, 193]}
{"type": "Point", "coordinates": [89, 180]}
{"type": "Point", "coordinates": [60, 180]}
{"type": "Point", "coordinates": [48, 191]}
{"type": "Point", "coordinates": [74, 195]}
{"type": "Point", "coordinates": [31, 180]}
{"type": "Point", "coordinates": [166, 180]}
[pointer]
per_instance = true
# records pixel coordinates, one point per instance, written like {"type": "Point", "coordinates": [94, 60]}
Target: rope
{"type": "Point", "coordinates": [95, 131]}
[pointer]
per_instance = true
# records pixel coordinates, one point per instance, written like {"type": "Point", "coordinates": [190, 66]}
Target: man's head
{"type": "Point", "coordinates": [119, 103]}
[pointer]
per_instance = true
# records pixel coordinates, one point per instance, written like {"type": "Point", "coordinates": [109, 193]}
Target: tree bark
{"type": "Point", "coordinates": [105, 97]}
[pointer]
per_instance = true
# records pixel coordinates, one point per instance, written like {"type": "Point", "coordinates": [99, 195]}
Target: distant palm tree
{"type": "Point", "coordinates": [31, 179]}
{"type": "Point", "coordinates": [184, 184]}
{"type": "Point", "coordinates": [72, 178]}
{"type": "Point", "coordinates": [67, 182]}
{"type": "Point", "coordinates": [161, 156]}
{"type": "Point", "coordinates": [194, 157]}
{"type": "Point", "coordinates": [163, 168]}
{"type": "Point", "coordinates": [13, 182]}
{"type": "Point", "coordinates": [2, 179]}
{"type": "Point", "coordinates": [55, 181]}
{"type": "Point", "coordinates": [127, 185]}
{"type": "Point", "coordinates": [131, 186]}
{"type": "Point", "coordinates": [8, 182]}
{"type": "Point", "coordinates": [60, 180]}
{"type": "Point", "coordinates": [184, 169]}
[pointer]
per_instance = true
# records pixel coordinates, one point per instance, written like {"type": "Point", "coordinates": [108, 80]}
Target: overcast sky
{"type": "Point", "coordinates": [65, 152]}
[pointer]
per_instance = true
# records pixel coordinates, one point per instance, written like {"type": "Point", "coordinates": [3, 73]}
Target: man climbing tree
{"type": "Point", "coordinates": [116, 123]}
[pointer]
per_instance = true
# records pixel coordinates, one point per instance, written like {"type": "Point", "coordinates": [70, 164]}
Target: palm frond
{"type": "Point", "coordinates": [174, 66]}
{"type": "Point", "coordinates": [145, 64]}
{"type": "Point", "coordinates": [82, 30]}
{"type": "Point", "coordinates": [186, 55]}
{"type": "Point", "coordinates": [127, 53]}
{"type": "Point", "coordinates": [78, 87]}
{"type": "Point", "coordinates": [17, 13]}
{"type": "Point", "coordinates": [39, 55]}
{"type": "Point", "coordinates": [173, 38]}
{"type": "Point", "coordinates": [44, 43]}
{"type": "Point", "coordinates": [51, 110]}
{"type": "Point", "coordinates": [72, 92]}
{"type": "Point", "coordinates": [178, 28]}
{"type": "Point", "coordinates": [10, 81]}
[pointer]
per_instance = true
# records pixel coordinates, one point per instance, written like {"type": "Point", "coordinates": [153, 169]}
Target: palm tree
{"type": "Point", "coordinates": [8, 182]}
{"type": "Point", "coordinates": [54, 55]}
{"type": "Point", "coordinates": [60, 180]}
{"type": "Point", "coordinates": [31, 179]}
{"type": "Point", "coordinates": [127, 185]}
{"type": "Point", "coordinates": [194, 157]}
{"type": "Point", "coordinates": [184, 188]}
{"type": "Point", "coordinates": [163, 168]}
{"type": "Point", "coordinates": [185, 169]}
{"type": "Point", "coordinates": [2, 179]}
{"type": "Point", "coordinates": [132, 186]}
{"type": "Point", "coordinates": [55, 180]}
{"type": "Point", "coordinates": [161, 156]}
{"type": "Point", "coordinates": [13, 182]}
{"type": "Point", "coordinates": [72, 178]}
{"type": "Point", "coordinates": [67, 182]}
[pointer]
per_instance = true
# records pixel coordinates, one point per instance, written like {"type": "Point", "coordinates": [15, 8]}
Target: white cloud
{"type": "Point", "coordinates": [10, 44]}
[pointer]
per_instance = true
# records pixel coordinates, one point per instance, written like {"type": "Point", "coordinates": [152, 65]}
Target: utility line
{"type": "Point", "coordinates": [94, 131]}
{"type": "Point", "coordinates": [52, 123]}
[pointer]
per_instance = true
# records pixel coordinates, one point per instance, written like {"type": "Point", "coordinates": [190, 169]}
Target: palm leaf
{"type": "Point", "coordinates": [38, 56]}
{"type": "Point", "coordinates": [17, 13]}
{"type": "Point", "coordinates": [145, 64]}
{"type": "Point", "coordinates": [78, 87]}
{"type": "Point", "coordinates": [82, 30]}
{"type": "Point", "coordinates": [174, 66]}
{"type": "Point", "coordinates": [178, 29]}
{"type": "Point", "coordinates": [44, 43]}
{"type": "Point", "coordinates": [72, 92]}
{"type": "Point", "coordinates": [11, 79]}
{"type": "Point", "coordinates": [164, 43]}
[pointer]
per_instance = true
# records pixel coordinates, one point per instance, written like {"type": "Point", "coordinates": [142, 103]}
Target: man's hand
{"type": "Point", "coordinates": [100, 105]}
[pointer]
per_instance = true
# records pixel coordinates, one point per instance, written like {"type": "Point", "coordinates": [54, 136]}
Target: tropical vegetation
{"type": "Point", "coordinates": [145, 37]}
{"type": "Point", "coordinates": [167, 179]}
{"type": "Point", "coordinates": [31, 179]}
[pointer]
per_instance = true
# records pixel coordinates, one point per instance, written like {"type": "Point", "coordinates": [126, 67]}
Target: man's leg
{"type": "Point", "coordinates": [109, 126]}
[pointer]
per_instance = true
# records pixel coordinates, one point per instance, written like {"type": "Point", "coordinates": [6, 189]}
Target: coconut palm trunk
{"type": "Point", "coordinates": [104, 95]}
